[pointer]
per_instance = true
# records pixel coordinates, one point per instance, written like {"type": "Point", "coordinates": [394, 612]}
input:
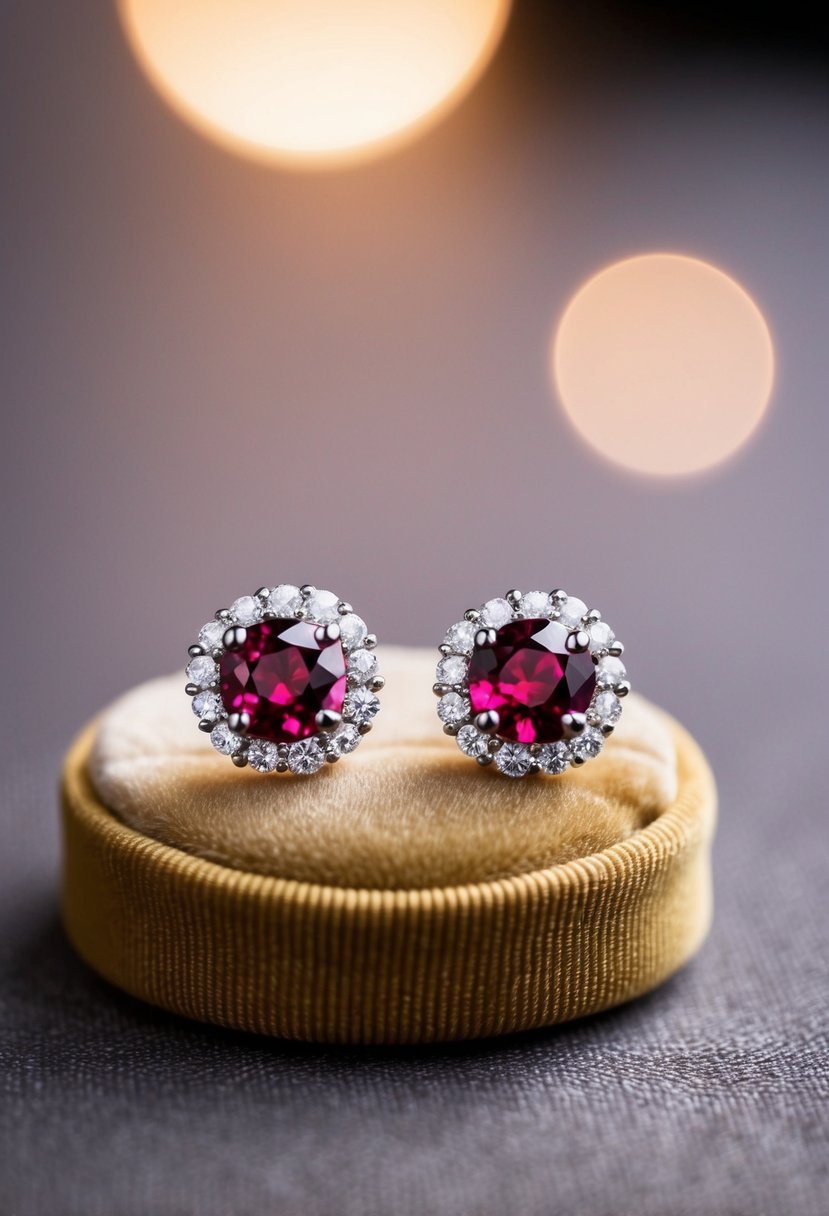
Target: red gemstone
{"type": "Point", "coordinates": [529, 678]}
{"type": "Point", "coordinates": [282, 676]}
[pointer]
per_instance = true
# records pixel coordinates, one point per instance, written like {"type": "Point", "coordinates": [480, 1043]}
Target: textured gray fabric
{"type": "Point", "coordinates": [709, 1097]}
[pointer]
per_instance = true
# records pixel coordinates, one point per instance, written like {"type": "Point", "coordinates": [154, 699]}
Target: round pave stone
{"type": "Point", "coordinates": [305, 757]}
{"type": "Point", "coordinates": [211, 634]}
{"type": "Point", "coordinates": [514, 760]}
{"type": "Point", "coordinates": [530, 680]}
{"type": "Point", "coordinates": [352, 630]}
{"type": "Point", "coordinates": [202, 671]}
{"type": "Point", "coordinates": [245, 610]}
{"type": "Point", "coordinates": [282, 676]}
{"type": "Point", "coordinates": [461, 637]}
{"type": "Point", "coordinates": [263, 756]}
{"type": "Point", "coordinates": [451, 670]}
{"type": "Point", "coordinates": [322, 606]}
{"type": "Point", "coordinates": [206, 705]}
{"type": "Point", "coordinates": [496, 613]}
{"type": "Point", "coordinates": [609, 672]}
{"type": "Point", "coordinates": [572, 611]}
{"type": "Point", "coordinates": [284, 600]}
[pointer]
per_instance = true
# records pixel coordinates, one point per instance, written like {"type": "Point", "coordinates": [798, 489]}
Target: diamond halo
{"type": "Point", "coordinates": [583, 706]}
{"type": "Point", "coordinates": [345, 675]}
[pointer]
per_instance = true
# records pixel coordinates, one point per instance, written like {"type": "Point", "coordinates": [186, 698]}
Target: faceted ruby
{"type": "Point", "coordinates": [282, 676]}
{"type": "Point", "coordinates": [530, 679]}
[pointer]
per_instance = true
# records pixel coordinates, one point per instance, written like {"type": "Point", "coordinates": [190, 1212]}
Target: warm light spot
{"type": "Point", "coordinates": [313, 82]}
{"type": "Point", "coordinates": [663, 363]}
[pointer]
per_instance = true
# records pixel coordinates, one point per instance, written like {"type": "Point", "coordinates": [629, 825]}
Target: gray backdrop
{"type": "Point", "coordinates": [216, 374]}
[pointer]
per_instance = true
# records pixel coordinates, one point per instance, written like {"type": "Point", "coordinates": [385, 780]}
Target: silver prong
{"type": "Point", "coordinates": [440, 690]}
{"type": "Point", "coordinates": [307, 590]}
{"type": "Point", "coordinates": [472, 614]}
{"type": "Point", "coordinates": [577, 761]}
{"type": "Point", "coordinates": [364, 728]}
{"type": "Point", "coordinates": [195, 650]}
{"type": "Point", "coordinates": [327, 633]}
{"type": "Point", "coordinates": [370, 641]}
{"type": "Point", "coordinates": [206, 724]}
{"type": "Point", "coordinates": [377, 683]}
{"type": "Point", "coordinates": [448, 729]}
{"type": "Point", "coordinates": [485, 637]}
{"type": "Point", "coordinates": [264, 593]}
{"type": "Point", "coordinates": [191, 689]}
{"type": "Point", "coordinates": [240, 759]}
{"type": "Point", "coordinates": [239, 721]}
{"type": "Point", "coordinates": [484, 760]}
{"type": "Point", "coordinates": [514, 597]}
{"type": "Point", "coordinates": [558, 597]}
{"type": "Point", "coordinates": [573, 724]}
{"type": "Point", "coordinates": [301, 613]}
{"type": "Point", "coordinates": [344, 608]}
{"type": "Point", "coordinates": [494, 746]}
{"type": "Point", "coordinates": [282, 766]}
{"type": "Point", "coordinates": [533, 769]}
{"type": "Point", "coordinates": [607, 729]}
{"type": "Point", "coordinates": [622, 688]}
{"type": "Point", "coordinates": [328, 719]}
{"type": "Point", "coordinates": [445, 648]}
{"type": "Point", "coordinates": [577, 642]}
{"type": "Point", "coordinates": [591, 617]}
{"type": "Point", "coordinates": [222, 614]}
{"type": "Point", "coordinates": [331, 757]}
{"type": "Point", "coordinates": [488, 721]}
{"type": "Point", "coordinates": [234, 637]}
{"type": "Point", "coordinates": [616, 649]}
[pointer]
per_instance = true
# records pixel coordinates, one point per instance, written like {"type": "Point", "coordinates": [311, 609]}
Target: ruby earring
{"type": "Point", "coordinates": [285, 680]}
{"type": "Point", "coordinates": [532, 682]}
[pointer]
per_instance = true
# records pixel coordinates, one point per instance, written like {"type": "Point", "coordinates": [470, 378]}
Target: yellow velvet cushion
{"type": "Point", "coordinates": [403, 894]}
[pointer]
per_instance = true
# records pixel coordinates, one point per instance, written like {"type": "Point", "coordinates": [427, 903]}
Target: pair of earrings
{"type": "Point", "coordinates": [287, 680]}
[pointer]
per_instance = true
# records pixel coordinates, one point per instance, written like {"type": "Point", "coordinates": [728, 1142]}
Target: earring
{"type": "Point", "coordinates": [285, 679]}
{"type": "Point", "coordinates": [532, 682]}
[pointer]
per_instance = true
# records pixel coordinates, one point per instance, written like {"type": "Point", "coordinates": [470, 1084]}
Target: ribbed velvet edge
{"type": "Point", "coordinates": [331, 964]}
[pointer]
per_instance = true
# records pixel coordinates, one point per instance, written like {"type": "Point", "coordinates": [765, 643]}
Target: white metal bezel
{"type": "Point", "coordinates": [584, 734]}
{"type": "Point", "coordinates": [327, 745]}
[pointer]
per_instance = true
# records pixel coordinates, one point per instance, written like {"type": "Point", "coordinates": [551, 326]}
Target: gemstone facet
{"type": "Point", "coordinates": [282, 676]}
{"type": "Point", "coordinates": [530, 680]}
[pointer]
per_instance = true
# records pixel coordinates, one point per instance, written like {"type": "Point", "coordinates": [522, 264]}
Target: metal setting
{"type": "Point", "coordinates": [583, 734]}
{"type": "Point", "coordinates": [337, 734]}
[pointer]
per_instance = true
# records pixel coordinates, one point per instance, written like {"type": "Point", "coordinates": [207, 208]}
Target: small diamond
{"type": "Point", "coordinates": [362, 664]}
{"type": "Point", "coordinates": [587, 745]}
{"type": "Point", "coordinates": [553, 758]}
{"type": "Point", "coordinates": [224, 740]}
{"type": "Point", "coordinates": [284, 600]}
{"type": "Point", "coordinates": [322, 607]}
{"type": "Point", "coordinates": [461, 637]}
{"type": "Point", "coordinates": [609, 672]}
{"type": "Point", "coordinates": [496, 613]}
{"type": "Point", "coordinates": [352, 630]}
{"type": "Point", "coordinates": [206, 705]}
{"type": "Point", "coordinates": [472, 742]}
{"type": "Point", "coordinates": [305, 757]}
{"type": "Point", "coordinates": [452, 709]}
{"type": "Point", "coordinates": [202, 671]}
{"type": "Point", "coordinates": [513, 759]}
{"type": "Point", "coordinates": [608, 708]}
{"type": "Point", "coordinates": [572, 611]}
{"type": "Point", "coordinates": [263, 756]}
{"type": "Point", "coordinates": [601, 635]}
{"type": "Point", "coordinates": [211, 634]}
{"type": "Point", "coordinates": [245, 610]}
{"type": "Point", "coordinates": [451, 670]}
{"type": "Point", "coordinates": [361, 706]}
{"type": "Point", "coordinates": [535, 604]}
{"type": "Point", "coordinates": [345, 740]}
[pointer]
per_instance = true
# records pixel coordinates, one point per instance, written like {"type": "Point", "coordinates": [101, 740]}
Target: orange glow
{"type": "Point", "coordinates": [664, 364]}
{"type": "Point", "coordinates": [313, 82]}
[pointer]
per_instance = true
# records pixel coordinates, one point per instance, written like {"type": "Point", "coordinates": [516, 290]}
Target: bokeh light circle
{"type": "Point", "coordinates": [663, 363]}
{"type": "Point", "coordinates": [313, 82]}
